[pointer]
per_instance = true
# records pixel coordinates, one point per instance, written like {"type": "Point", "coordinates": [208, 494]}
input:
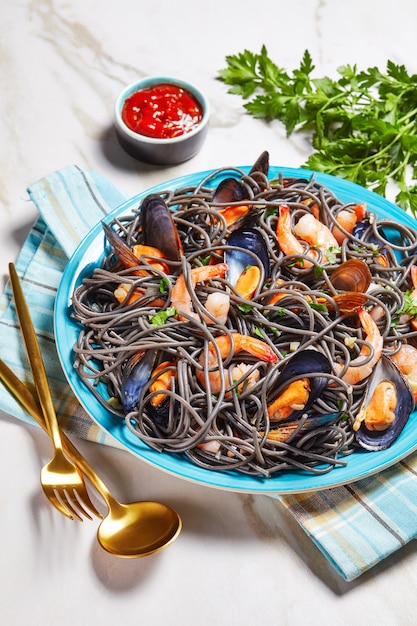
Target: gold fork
{"type": "Point", "coordinates": [61, 481]}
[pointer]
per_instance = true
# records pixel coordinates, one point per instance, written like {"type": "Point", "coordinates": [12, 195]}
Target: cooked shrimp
{"type": "Point", "coordinates": [218, 304]}
{"type": "Point", "coordinates": [311, 230]}
{"type": "Point", "coordinates": [406, 361]}
{"type": "Point", "coordinates": [348, 220]}
{"type": "Point", "coordinates": [240, 370]}
{"type": "Point", "coordinates": [180, 296]}
{"type": "Point", "coordinates": [288, 242]}
{"type": "Point", "coordinates": [212, 446]}
{"type": "Point", "coordinates": [123, 290]}
{"type": "Point", "coordinates": [241, 343]}
{"type": "Point", "coordinates": [356, 372]}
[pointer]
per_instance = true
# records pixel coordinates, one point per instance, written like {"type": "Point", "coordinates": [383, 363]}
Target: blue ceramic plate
{"type": "Point", "coordinates": [88, 254]}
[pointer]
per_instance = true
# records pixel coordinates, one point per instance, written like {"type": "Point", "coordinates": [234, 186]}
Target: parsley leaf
{"type": "Point", "coordinates": [410, 305]}
{"type": "Point", "coordinates": [317, 306]}
{"type": "Point", "coordinates": [163, 285]}
{"type": "Point", "coordinates": [161, 317]}
{"type": "Point", "coordinates": [362, 124]}
{"type": "Point", "coordinates": [245, 308]}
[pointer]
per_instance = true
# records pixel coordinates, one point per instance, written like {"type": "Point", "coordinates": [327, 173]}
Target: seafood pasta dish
{"type": "Point", "coordinates": [257, 325]}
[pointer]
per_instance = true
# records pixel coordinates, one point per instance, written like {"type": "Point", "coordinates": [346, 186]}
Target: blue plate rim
{"type": "Point", "coordinates": [359, 464]}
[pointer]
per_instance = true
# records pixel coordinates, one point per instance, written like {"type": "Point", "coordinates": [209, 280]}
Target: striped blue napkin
{"type": "Point", "coordinates": [70, 202]}
{"type": "Point", "coordinates": [355, 526]}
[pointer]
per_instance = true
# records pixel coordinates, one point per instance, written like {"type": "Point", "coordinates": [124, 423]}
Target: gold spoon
{"type": "Point", "coordinates": [130, 530]}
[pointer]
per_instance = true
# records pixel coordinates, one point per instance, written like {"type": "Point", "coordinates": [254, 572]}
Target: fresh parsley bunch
{"type": "Point", "coordinates": [363, 124]}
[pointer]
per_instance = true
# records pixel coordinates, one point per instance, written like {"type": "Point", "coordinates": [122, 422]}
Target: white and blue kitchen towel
{"type": "Point", "coordinates": [355, 526]}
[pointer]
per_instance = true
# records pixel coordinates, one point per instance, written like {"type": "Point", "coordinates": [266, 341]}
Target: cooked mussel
{"type": "Point", "coordinates": [131, 257]}
{"type": "Point", "coordinates": [140, 375]}
{"type": "Point", "coordinates": [123, 252]}
{"type": "Point", "coordinates": [385, 409]}
{"type": "Point", "coordinates": [292, 430]}
{"type": "Point", "coordinates": [231, 191]}
{"type": "Point", "coordinates": [238, 260]}
{"type": "Point", "coordinates": [364, 231]}
{"type": "Point", "coordinates": [298, 385]}
{"type": "Point", "coordinates": [261, 166]}
{"type": "Point", "coordinates": [159, 234]}
{"type": "Point", "coordinates": [136, 374]}
{"type": "Point", "coordinates": [158, 227]}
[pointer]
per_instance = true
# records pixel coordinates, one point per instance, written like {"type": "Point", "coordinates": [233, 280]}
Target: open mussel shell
{"type": "Point", "coordinates": [230, 190]}
{"type": "Point", "coordinates": [295, 429]}
{"type": "Point", "coordinates": [363, 231]}
{"type": "Point", "coordinates": [302, 363]}
{"type": "Point", "coordinates": [352, 275]}
{"type": "Point", "coordinates": [233, 190]}
{"type": "Point", "coordinates": [238, 260]}
{"type": "Point", "coordinates": [158, 227]}
{"type": "Point", "coordinates": [375, 440]}
{"type": "Point", "coordinates": [121, 249]}
{"type": "Point", "coordinates": [261, 166]}
{"type": "Point", "coordinates": [135, 377]}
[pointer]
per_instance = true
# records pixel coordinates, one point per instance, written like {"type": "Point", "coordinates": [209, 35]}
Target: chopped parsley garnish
{"type": "Point", "coordinates": [161, 317]}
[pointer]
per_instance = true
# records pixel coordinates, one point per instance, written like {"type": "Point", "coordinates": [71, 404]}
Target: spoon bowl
{"type": "Point", "coordinates": [138, 528]}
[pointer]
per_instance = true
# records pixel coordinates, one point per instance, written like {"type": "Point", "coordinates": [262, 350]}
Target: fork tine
{"type": "Point", "coordinates": [56, 502]}
{"type": "Point", "coordinates": [61, 481]}
{"type": "Point", "coordinates": [64, 496]}
{"type": "Point", "coordinates": [77, 499]}
{"type": "Point", "coordinates": [84, 502]}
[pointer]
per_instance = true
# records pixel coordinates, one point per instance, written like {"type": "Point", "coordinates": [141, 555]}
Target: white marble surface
{"type": "Point", "coordinates": [240, 559]}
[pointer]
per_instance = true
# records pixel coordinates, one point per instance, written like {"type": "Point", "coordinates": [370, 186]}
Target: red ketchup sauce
{"type": "Point", "coordinates": [162, 111]}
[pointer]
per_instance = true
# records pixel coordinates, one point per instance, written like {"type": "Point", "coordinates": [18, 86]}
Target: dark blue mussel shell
{"type": "Point", "coordinates": [238, 260]}
{"type": "Point", "coordinates": [158, 227]}
{"type": "Point", "coordinates": [362, 230]}
{"type": "Point", "coordinates": [304, 362]}
{"type": "Point", "coordinates": [375, 440]}
{"type": "Point", "coordinates": [233, 190]}
{"type": "Point", "coordinates": [136, 375]}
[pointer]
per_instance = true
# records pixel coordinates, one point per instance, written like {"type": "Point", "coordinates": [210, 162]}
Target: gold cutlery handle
{"type": "Point", "coordinates": [35, 358]}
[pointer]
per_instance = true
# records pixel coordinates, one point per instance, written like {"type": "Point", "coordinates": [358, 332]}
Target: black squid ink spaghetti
{"type": "Point", "coordinates": [253, 325]}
